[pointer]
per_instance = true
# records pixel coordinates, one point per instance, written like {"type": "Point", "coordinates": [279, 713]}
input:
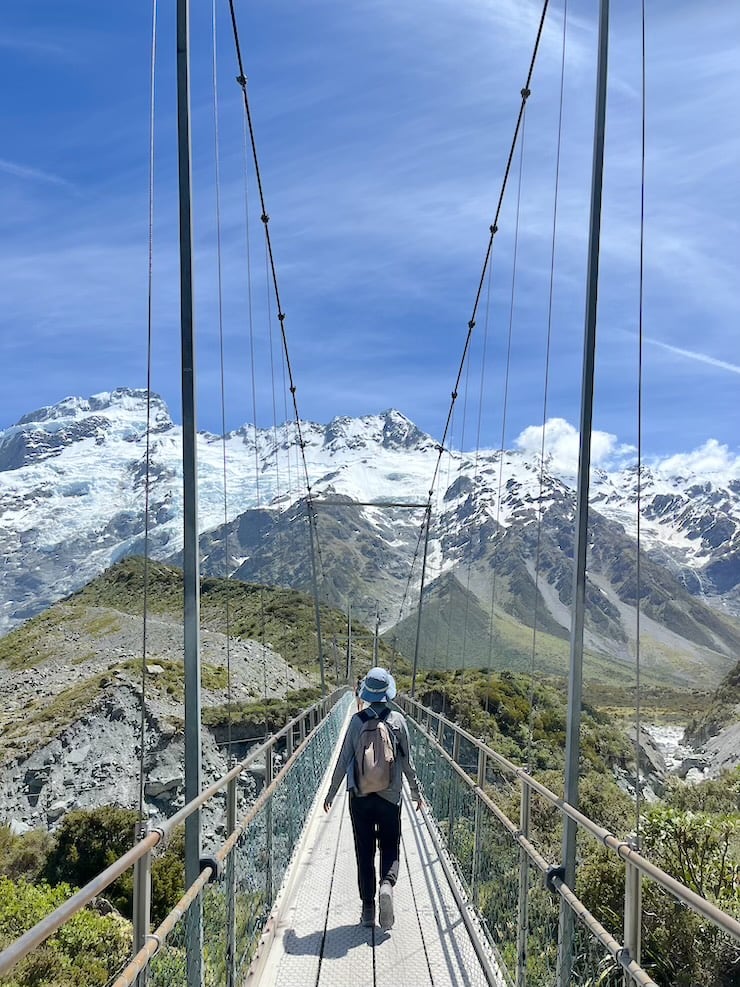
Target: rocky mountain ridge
{"type": "Point", "coordinates": [72, 483]}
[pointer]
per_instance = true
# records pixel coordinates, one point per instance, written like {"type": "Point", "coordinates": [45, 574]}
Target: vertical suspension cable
{"type": "Point", "coordinates": [272, 371]}
{"type": "Point", "coordinates": [449, 620]}
{"type": "Point", "coordinates": [470, 543]}
{"type": "Point", "coordinates": [147, 452]}
{"type": "Point", "coordinates": [252, 360]}
{"type": "Point", "coordinates": [315, 547]}
{"type": "Point", "coordinates": [222, 364]}
{"type": "Point", "coordinates": [285, 424]}
{"type": "Point", "coordinates": [546, 389]}
{"type": "Point", "coordinates": [525, 92]}
{"type": "Point", "coordinates": [504, 411]}
{"type": "Point", "coordinates": [638, 710]}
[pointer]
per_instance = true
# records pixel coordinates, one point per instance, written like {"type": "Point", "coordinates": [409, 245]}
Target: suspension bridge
{"type": "Point", "coordinates": [476, 902]}
{"type": "Point", "coordinates": [480, 898]}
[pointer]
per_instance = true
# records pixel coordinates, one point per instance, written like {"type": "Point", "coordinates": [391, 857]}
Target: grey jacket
{"type": "Point", "coordinates": [404, 763]}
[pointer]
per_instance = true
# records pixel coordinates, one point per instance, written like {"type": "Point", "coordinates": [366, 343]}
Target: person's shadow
{"type": "Point", "coordinates": [332, 943]}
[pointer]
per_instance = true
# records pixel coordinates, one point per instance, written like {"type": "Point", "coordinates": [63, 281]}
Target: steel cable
{"type": "Point", "coordinates": [638, 699]}
{"type": "Point", "coordinates": [222, 370]}
{"type": "Point", "coordinates": [148, 448]}
{"type": "Point", "coordinates": [545, 396]}
{"type": "Point", "coordinates": [525, 93]}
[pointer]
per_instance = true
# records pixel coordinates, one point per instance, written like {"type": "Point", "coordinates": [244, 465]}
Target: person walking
{"type": "Point", "coordinates": [374, 758]}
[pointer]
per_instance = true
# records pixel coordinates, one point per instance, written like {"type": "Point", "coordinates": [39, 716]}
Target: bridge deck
{"type": "Point", "coordinates": [317, 938]}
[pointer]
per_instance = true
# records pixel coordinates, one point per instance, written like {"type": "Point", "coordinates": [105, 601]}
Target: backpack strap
{"type": "Point", "coordinates": [364, 715]}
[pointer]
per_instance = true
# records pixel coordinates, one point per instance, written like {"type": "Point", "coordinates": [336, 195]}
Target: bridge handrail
{"type": "Point", "coordinates": [623, 849]}
{"type": "Point", "coordinates": [157, 938]}
{"type": "Point", "coordinates": [40, 932]}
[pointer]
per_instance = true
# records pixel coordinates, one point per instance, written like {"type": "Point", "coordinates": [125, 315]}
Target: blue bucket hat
{"type": "Point", "coordinates": [378, 687]}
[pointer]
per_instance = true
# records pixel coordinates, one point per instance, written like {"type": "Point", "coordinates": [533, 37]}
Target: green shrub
{"type": "Point", "coordinates": [86, 952]}
{"type": "Point", "coordinates": [23, 855]}
{"type": "Point", "coordinates": [88, 841]}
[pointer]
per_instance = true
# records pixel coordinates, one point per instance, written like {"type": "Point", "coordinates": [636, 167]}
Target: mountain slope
{"type": "Point", "coordinates": [71, 683]}
{"type": "Point", "coordinates": [72, 483]}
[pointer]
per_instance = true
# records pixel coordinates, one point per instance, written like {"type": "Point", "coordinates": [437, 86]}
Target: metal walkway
{"type": "Point", "coordinates": [317, 938]}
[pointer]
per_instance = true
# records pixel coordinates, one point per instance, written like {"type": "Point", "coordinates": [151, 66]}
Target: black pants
{"type": "Point", "coordinates": [375, 822]}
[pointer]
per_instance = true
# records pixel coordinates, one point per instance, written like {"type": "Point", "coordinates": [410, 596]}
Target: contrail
{"type": "Point", "coordinates": [692, 355]}
{"type": "Point", "coordinates": [33, 174]}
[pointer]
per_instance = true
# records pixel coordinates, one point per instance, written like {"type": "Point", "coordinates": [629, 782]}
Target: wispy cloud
{"type": "Point", "coordinates": [34, 174]}
{"type": "Point", "coordinates": [28, 46]}
{"type": "Point", "coordinates": [693, 355]}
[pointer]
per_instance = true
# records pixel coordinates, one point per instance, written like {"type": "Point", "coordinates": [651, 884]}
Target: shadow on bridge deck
{"type": "Point", "coordinates": [317, 938]}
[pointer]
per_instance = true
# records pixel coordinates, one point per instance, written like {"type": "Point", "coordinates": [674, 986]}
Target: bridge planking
{"type": "Point", "coordinates": [318, 939]}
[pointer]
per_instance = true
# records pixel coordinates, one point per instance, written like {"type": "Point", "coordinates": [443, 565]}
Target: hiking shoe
{"type": "Point", "coordinates": [385, 899]}
{"type": "Point", "coordinates": [368, 916]}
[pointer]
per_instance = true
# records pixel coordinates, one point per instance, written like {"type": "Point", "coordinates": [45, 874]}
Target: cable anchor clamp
{"type": "Point", "coordinates": [493, 229]}
{"type": "Point", "coordinates": [216, 868]}
{"type": "Point", "coordinates": [526, 93]}
{"type": "Point", "coordinates": [242, 80]}
{"type": "Point", "coordinates": [265, 218]}
{"type": "Point", "coordinates": [471, 324]}
{"type": "Point", "coordinates": [551, 875]}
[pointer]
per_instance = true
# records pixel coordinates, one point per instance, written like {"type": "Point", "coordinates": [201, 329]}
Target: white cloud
{"type": "Point", "coordinates": [708, 460]}
{"type": "Point", "coordinates": [561, 445]}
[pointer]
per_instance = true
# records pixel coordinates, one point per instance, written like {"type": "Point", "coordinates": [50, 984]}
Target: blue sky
{"type": "Point", "coordinates": [382, 129]}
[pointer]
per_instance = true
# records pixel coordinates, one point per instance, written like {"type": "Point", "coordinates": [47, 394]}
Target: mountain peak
{"type": "Point", "coordinates": [130, 400]}
{"type": "Point", "coordinates": [391, 429]}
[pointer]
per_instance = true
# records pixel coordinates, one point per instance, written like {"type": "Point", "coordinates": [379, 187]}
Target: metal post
{"type": "Point", "coordinates": [478, 834]}
{"type": "Point", "coordinates": [421, 600]}
{"type": "Point", "coordinates": [191, 587]}
{"type": "Point", "coordinates": [456, 747]}
{"type": "Point", "coordinates": [336, 659]}
{"type": "Point", "coordinates": [376, 635]}
{"type": "Point", "coordinates": [572, 745]}
{"type": "Point", "coordinates": [632, 912]}
{"type": "Point", "coordinates": [316, 605]}
{"type": "Point", "coordinates": [269, 890]}
{"type": "Point", "coordinates": [349, 641]}
{"type": "Point", "coordinates": [523, 913]}
{"type": "Point", "coordinates": [231, 888]}
{"type": "Point", "coordinates": [289, 743]}
{"type": "Point", "coordinates": [142, 900]}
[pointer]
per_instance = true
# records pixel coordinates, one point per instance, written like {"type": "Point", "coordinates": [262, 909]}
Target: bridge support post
{"type": "Point", "coordinates": [269, 773]}
{"type": "Point", "coordinates": [632, 913]}
{"type": "Point", "coordinates": [231, 888]}
{"type": "Point", "coordinates": [142, 900]}
{"type": "Point", "coordinates": [566, 924]}
{"type": "Point", "coordinates": [477, 833]}
{"type": "Point", "coordinates": [523, 915]}
{"type": "Point", "coordinates": [289, 743]}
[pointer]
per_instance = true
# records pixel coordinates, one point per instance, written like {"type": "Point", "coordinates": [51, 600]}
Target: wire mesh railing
{"type": "Point", "coordinates": [518, 894]}
{"type": "Point", "coordinates": [221, 915]}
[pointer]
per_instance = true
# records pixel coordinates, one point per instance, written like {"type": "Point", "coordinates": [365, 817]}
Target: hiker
{"type": "Point", "coordinates": [374, 757]}
{"type": "Point", "coordinates": [358, 690]}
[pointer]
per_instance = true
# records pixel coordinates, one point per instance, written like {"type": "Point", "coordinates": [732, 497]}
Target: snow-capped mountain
{"type": "Point", "coordinates": [72, 494]}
